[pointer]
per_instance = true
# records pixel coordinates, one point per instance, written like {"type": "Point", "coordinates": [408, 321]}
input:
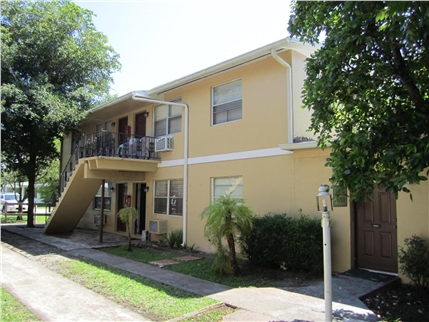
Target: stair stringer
{"type": "Point", "coordinates": [73, 203]}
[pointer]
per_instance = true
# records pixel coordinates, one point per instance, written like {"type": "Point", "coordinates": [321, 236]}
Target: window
{"type": "Point", "coordinates": [226, 100]}
{"type": "Point", "coordinates": [168, 119]}
{"type": "Point", "coordinates": [230, 185]}
{"type": "Point", "coordinates": [107, 197]}
{"type": "Point", "coordinates": [168, 199]}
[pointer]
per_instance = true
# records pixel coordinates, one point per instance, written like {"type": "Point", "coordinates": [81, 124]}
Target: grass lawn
{"type": "Point", "coordinates": [11, 219]}
{"type": "Point", "coordinates": [249, 277]}
{"type": "Point", "coordinates": [13, 310]}
{"type": "Point", "coordinates": [157, 301]}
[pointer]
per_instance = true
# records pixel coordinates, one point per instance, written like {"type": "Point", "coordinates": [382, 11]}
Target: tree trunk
{"type": "Point", "coordinates": [129, 235]}
{"type": "Point", "coordinates": [232, 257]}
{"type": "Point", "coordinates": [31, 183]}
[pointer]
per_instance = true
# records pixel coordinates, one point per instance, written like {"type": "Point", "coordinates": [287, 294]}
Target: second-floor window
{"type": "Point", "coordinates": [168, 119]}
{"type": "Point", "coordinates": [227, 102]}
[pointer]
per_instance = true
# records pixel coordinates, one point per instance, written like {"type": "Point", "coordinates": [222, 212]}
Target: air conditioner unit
{"type": "Point", "coordinates": [158, 226]}
{"type": "Point", "coordinates": [164, 143]}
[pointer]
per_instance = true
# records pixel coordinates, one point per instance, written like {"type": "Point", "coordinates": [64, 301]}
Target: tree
{"type": "Point", "coordinates": [368, 87]}
{"type": "Point", "coordinates": [227, 218]}
{"type": "Point", "coordinates": [128, 216]}
{"type": "Point", "coordinates": [55, 66]}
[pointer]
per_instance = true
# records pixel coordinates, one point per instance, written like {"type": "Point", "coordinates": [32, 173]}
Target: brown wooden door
{"type": "Point", "coordinates": [122, 128]}
{"type": "Point", "coordinates": [122, 192]}
{"type": "Point", "coordinates": [140, 224]}
{"type": "Point", "coordinates": [376, 232]}
{"type": "Point", "coordinates": [140, 125]}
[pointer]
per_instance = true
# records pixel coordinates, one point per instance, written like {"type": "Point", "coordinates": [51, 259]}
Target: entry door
{"type": "Point", "coordinates": [140, 125]}
{"type": "Point", "coordinates": [122, 128]}
{"type": "Point", "coordinates": [141, 208]}
{"type": "Point", "coordinates": [376, 232]}
{"type": "Point", "coordinates": [122, 192]}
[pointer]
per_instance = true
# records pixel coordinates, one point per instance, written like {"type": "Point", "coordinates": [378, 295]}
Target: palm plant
{"type": "Point", "coordinates": [128, 215]}
{"type": "Point", "coordinates": [227, 218]}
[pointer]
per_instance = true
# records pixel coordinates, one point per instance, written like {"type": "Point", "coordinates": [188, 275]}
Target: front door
{"type": "Point", "coordinates": [376, 232]}
{"type": "Point", "coordinates": [140, 125]}
{"type": "Point", "coordinates": [122, 128]}
{"type": "Point", "coordinates": [122, 193]}
{"type": "Point", "coordinates": [141, 208]}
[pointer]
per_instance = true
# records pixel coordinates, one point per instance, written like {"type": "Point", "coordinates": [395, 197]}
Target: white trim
{"type": "Point", "coordinates": [270, 152]}
{"type": "Point", "coordinates": [298, 146]}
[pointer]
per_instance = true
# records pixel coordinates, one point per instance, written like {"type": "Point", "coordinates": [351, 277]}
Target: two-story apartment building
{"type": "Point", "coordinates": [235, 127]}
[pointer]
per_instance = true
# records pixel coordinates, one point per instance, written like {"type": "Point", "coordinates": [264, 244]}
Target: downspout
{"type": "Point", "coordinates": [289, 93]}
{"type": "Point", "coordinates": [138, 97]}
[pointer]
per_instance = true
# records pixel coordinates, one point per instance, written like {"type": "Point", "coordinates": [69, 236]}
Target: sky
{"type": "Point", "coordinates": [161, 41]}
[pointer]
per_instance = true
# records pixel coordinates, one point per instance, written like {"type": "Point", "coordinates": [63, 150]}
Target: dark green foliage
{"type": "Point", "coordinates": [175, 238]}
{"type": "Point", "coordinates": [414, 261]}
{"type": "Point", "coordinates": [368, 89]}
{"type": "Point", "coordinates": [228, 219]}
{"type": "Point", "coordinates": [221, 262]}
{"type": "Point", "coordinates": [191, 249]}
{"type": "Point", "coordinates": [54, 66]}
{"type": "Point", "coordinates": [294, 244]}
{"type": "Point", "coordinates": [128, 216]}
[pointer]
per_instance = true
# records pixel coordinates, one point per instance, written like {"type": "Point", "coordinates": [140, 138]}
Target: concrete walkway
{"type": "Point", "coordinates": [54, 298]}
{"type": "Point", "coordinates": [257, 304]}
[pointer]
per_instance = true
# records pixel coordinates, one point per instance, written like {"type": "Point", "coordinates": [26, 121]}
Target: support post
{"type": "Point", "coordinates": [102, 211]}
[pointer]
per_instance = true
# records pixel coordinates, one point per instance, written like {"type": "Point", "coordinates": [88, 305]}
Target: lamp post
{"type": "Point", "coordinates": [324, 205]}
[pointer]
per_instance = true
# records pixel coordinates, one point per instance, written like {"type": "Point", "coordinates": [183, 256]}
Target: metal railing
{"type": "Point", "coordinates": [108, 144]}
{"type": "Point", "coordinates": [113, 144]}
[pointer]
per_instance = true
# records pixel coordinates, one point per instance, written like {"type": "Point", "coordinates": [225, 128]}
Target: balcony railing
{"type": "Point", "coordinates": [119, 145]}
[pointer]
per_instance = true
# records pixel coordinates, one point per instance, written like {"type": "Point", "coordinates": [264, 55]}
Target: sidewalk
{"type": "Point", "coordinates": [257, 304]}
{"type": "Point", "coordinates": [54, 298]}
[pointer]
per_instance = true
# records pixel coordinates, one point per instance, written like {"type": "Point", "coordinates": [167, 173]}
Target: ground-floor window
{"type": "Point", "coordinates": [227, 185]}
{"type": "Point", "coordinates": [168, 198]}
{"type": "Point", "coordinates": [107, 197]}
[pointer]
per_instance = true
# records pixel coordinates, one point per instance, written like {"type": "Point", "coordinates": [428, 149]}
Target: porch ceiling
{"type": "Point", "coordinates": [122, 105]}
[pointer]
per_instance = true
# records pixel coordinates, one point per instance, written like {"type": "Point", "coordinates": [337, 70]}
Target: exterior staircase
{"type": "Point", "coordinates": [96, 159]}
{"type": "Point", "coordinates": [73, 202]}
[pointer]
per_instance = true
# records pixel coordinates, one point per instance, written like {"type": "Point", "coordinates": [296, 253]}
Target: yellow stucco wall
{"type": "Point", "coordinates": [281, 183]}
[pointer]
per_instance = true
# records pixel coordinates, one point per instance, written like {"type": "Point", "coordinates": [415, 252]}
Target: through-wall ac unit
{"type": "Point", "coordinates": [158, 226]}
{"type": "Point", "coordinates": [164, 143]}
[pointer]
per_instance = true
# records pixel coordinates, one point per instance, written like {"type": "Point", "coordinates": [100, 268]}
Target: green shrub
{"type": "Point", "coordinates": [295, 244]}
{"type": "Point", "coordinates": [414, 261]}
{"type": "Point", "coordinates": [191, 249]}
{"type": "Point", "coordinates": [175, 238]}
{"type": "Point", "coordinates": [221, 262]}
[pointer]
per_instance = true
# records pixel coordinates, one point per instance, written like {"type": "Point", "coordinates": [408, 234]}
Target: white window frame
{"type": "Point", "coordinates": [107, 197]}
{"type": "Point", "coordinates": [236, 181]}
{"type": "Point", "coordinates": [237, 104]}
{"type": "Point", "coordinates": [170, 200]}
{"type": "Point", "coordinates": [167, 118]}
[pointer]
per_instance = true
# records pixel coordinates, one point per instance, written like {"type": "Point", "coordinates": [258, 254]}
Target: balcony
{"type": "Point", "coordinates": [96, 157]}
{"type": "Point", "coordinates": [112, 151]}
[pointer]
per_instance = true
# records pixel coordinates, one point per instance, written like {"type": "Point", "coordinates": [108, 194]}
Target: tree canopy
{"type": "Point", "coordinates": [368, 87]}
{"type": "Point", "coordinates": [55, 66]}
